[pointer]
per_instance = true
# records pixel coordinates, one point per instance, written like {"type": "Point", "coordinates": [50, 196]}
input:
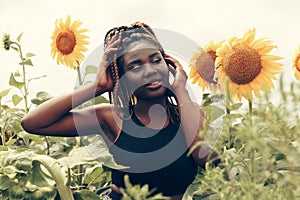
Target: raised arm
{"type": "Point", "coordinates": [191, 115]}
{"type": "Point", "coordinates": [56, 117]}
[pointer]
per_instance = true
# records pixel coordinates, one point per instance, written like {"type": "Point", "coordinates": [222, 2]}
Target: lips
{"type": "Point", "coordinates": [154, 85]}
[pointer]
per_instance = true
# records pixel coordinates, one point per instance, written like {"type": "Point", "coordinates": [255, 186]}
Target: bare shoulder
{"type": "Point", "coordinates": [109, 120]}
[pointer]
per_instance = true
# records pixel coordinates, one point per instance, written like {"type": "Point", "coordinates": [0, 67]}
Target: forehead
{"type": "Point", "coordinates": [139, 49]}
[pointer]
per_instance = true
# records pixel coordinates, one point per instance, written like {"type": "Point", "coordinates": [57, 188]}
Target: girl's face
{"type": "Point", "coordinates": [146, 72]}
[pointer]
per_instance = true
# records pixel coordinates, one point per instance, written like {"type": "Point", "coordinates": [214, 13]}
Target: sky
{"type": "Point", "coordinates": [197, 20]}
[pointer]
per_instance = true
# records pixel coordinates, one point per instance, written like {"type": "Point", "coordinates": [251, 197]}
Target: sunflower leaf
{"type": "Point", "coordinates": [41, 97]}
{"type": "Point", "coordinates": [16, 99]}
{"type": "Point", "coordinates": [213, 112]}
{"type": "Point", "coordinates": [19, 37]}
{"type": "Point", "coordinates": [101, 99]}
{"type": "Point", "coordinates": [235, 106]}
{"type": "Point", "coordinates": [29, 55]}
{"type": "Point", "coordinates": [26, 62]}
{"type": "Point", "coordinates": [4, 93]}
{"type": "Point", "coordinates": [85, 195]}
{"type": "Point", "coordinates": [91, 69]}
{"type": "Point", "coordinates": [17, 73]}
{"type": "Point", "coordinates": [13, 82]}
{"type": "Point", "coordinates": [38, 77]}
{"type": "Point", "coordinates": [14, 48]}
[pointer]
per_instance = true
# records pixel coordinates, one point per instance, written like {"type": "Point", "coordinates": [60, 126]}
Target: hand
{"type": "Point", "coordinates": [180, 76]}
{"type": "Point", "coordinates": [104, 78]}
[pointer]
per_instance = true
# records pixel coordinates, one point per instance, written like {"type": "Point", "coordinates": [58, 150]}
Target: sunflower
{"type": "Point", "coordinates": [296, 64]}
{"type": "Point", "coordinates": [6, 42]}
{"type": "Point", "coordinates": [247, 66]}
{"type": "Point", "coordinates": [202, 66]}
{"type": "Point", "coordinates": [68, 42]}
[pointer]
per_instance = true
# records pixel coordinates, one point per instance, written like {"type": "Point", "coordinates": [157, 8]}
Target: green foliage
{"type": "Point", "coordinates": [259, 150]}
{"type": "Point", "coordinates": [21, 178]}
{"type": "Point", "coordinates": [137, 192]}
{"type": "Point", "coordinates": [24, 157]}
{"type": "Point", "coordinates": [258, 145]}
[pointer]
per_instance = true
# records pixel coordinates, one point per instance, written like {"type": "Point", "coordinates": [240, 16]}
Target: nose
{"type": "Point", "coordinates": [149, 70]}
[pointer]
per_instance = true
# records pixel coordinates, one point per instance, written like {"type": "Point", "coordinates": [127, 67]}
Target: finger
{"type": "Point", "coordinates": [172, 70]}
{"type": "Point", "coordinates": [110, 50]}
{"type": "Point", "coordinates": [115, 188]}
{"type": "Point", "coordinates": [172, 61]}
{"type": "Point", "coordinates": [181, 72]}
{"type": "Point", "coordinates": [113, 43]}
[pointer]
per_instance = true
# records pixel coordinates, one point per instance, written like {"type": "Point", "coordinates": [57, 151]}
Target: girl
{"type": "Point", "coordinates": [152, 123]}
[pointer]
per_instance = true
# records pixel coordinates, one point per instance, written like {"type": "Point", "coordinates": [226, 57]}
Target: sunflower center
{"type": "Point", "coordinates": [65, 42]}
{"type": "Point", "coordinates": [297, 63]}
{"type": "Point", "coordinates": [242, 65]}
{"type": "Point", "coordinates": [205, 65]}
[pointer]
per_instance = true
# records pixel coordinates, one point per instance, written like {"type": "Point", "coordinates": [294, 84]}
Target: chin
{"type": "Point", "coordinates": [152, 94]}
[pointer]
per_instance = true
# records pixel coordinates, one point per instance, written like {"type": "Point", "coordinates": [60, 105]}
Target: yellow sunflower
{"type": "Point", "coordinates": [68, 42]}
{"type": "Point", "coordinates": [296, 64]}
{"type": "Point", "coordinates": [202, 66]}
{"type": "Point", "coordinates": [247, 65]}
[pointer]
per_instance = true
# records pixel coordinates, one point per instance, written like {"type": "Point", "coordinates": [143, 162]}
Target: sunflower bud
{"type": "Point", "coordinates": [6, 42]}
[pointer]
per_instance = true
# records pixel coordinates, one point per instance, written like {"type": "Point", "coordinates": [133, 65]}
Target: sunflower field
{"type": "Point", "coordinates": [258, 141]}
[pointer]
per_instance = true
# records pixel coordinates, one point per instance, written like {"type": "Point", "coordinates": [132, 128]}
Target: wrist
{"type": "Point", "coordinates": [181, 92]}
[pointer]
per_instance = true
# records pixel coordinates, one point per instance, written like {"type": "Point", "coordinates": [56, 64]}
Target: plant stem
{"type": "Point", "coordinates": [3, 137]}
{"type": "Point", "coordinates": [79, 74]}
{"type": "Point", "coordinates": [54, 169]}
{"type": "Point", "coordinates": [250, 107]}
{"type": "Point", "coordinates": [24, 77]}
{"type": "Point", "coordinates": [252, 153]}
{"type": "Point", "coordinates": [227, 98]}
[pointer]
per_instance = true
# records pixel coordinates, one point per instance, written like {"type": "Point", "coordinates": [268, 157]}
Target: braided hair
{"type": "Point", "coordinates": [122, 97]}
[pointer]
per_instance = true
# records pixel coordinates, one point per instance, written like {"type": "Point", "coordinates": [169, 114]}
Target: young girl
{"type": "Point", "coordinates": [152, 123]}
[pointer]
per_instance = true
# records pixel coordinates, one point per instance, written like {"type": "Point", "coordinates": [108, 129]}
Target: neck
{"type": "Point", "coordinates": [153, 114]}
{"type": "Point", "coordinates": [156, 105]}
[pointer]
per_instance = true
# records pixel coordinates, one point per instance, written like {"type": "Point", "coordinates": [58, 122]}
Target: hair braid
{"type": "Point", "coordinates": [121, 96]}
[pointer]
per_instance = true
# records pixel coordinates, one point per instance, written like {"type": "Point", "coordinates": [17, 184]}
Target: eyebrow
{"type": "Point", "coordinates": [138, 61]}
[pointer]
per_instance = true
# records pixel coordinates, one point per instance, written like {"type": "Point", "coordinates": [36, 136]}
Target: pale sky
{"type": "Point", "coordinates": [199, 20]}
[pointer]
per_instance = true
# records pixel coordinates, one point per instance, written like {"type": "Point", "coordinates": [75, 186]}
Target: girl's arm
{"type": "Point", "coordinates": [56, 117]}
{"type": "Point", "coordinates": [191, 115]}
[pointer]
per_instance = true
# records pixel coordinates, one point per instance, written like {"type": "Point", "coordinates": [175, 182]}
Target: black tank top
{"type": "Point", "coordinates": [154, 157]}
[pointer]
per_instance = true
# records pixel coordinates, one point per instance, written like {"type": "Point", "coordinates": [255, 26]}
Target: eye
{"type": "Point", "coordinates": [156, 61]}
{"type": "Point", "coordinates": [136, 68]}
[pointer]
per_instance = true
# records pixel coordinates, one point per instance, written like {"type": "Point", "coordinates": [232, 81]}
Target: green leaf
{"type": "Point", "coordinates": [212, 99]}
{"type": "Point", "coordinates": [17, 73]}
{"type": "Point", "coordinates": [101, 99]}
{"type": "Point", "coordinates": [11, 141]}
{"type": "Point", "coordinates": [13, 82]}
{"type": "Point", "coordinates": [86, 195]}
{"type": "Point", "coordinates": [213, 112]}
{"type": "Point", "coordinates": [90, 69]}
{"type": "Point", "coordinates": [36, 138]}
{"type": "Point", "coordinates": [16, 99]}
{"type": "Point", "coordinates": [96, 152]}
{"type": "Point", "coordinates": [5, 182]}
{"type": "Point", "coordinates": [26, 62]}
{"type": "Point", "coordinates": [93, 175]}
{"type": "Point", "coordinates": [41, 97]}
{"type": "Point", "coordinates": [233, 117]}
{"type": "Point", "coordinates": [235, 106]}
{"type": "Point", "coordinates": [19, 37]}
{"type": "Point", "coordinates": [15, 48]}
{"type": "Point", "coordinates": [38, 77]}
{"type": "Point", "coordinates": [4, 93]}
{"type": "Point", "coordinates": [29, 55]}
